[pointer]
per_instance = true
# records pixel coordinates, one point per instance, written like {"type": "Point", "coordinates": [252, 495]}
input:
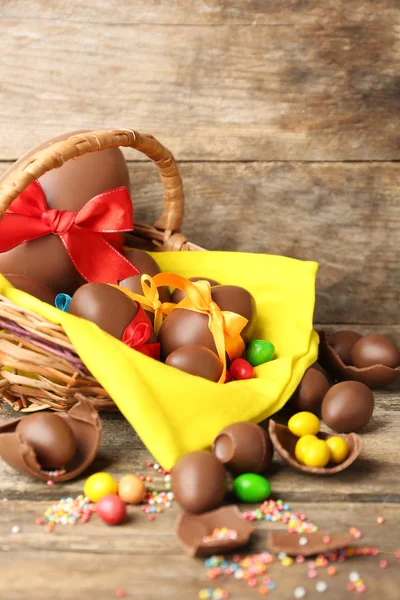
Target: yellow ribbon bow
{"type": "Point", "coordinates": [224, 325]}
{"type": "Point", "coordinates": [150, 300]}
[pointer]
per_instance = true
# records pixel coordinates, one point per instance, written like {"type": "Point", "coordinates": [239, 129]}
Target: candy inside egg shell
{"type": "Point", "coordinates": [285, 443]}
{"type": "Point", "coordinates": [377, 376]}
{"type": "Point", "coordinates": [85, 424]}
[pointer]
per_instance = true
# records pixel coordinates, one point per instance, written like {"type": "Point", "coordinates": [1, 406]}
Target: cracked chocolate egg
{"type": "Point", "coordinates": [375, 376]}
{"type": "Point", "coordinates": [285, 441]}
{"type": "Point", "coordinates": [243, 448]}
{"type": "Point", "coordinates": [30, 452]}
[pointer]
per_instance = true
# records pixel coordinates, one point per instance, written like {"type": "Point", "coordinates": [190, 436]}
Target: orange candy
{"type": "Point", "coordinates": [131, 489]}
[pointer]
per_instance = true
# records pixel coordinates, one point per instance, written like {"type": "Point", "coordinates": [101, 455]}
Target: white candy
{"type": "Point", "coordinates": [15, 529]}
{"type": "Point", "coordinates": [354, 576]}
{"type": "Point", "coordinates": [303, 541]}
{"type": "Point", "coordinates": [321, 586]}
{"type": "Point", "coordinates": [282, 555]}
{"type": "Point", "coordinates": [299, 592]}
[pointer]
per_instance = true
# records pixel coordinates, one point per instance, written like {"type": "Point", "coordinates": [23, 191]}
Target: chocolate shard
{"type": "Point", "coordinates": [307, 544]}
{"type": "Point", "coordinates": [85, 423]}
{"type": "Point", "coordinates": [377, 376]}
{"type": "Point", "coordinates": [192, 531]}
{"type": "Point", "coordinates": [285, 442]}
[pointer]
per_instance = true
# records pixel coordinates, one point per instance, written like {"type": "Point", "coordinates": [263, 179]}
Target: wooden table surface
{"type": "Point", "coordinates": [285, 121]}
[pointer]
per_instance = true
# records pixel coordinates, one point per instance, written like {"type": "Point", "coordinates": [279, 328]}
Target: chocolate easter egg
{"type": "Point", "coordinates": [32, 286]}
{"type": "Point", "coordinates": [348, 406]}
{"type": "Point", "coordinates": [375, 349]}
{"type": "Point", "coordinates": [196, 360]}
{"type": "Point", "coordinates": [66, 188]}
{"type": "Point", "coordinates": [51, 438]}
{"type": "Point", "coordinates": [342, 342]}
{"type": "Point", "coordinates": [178, 295]}
{"type": "Point", "coordinates": [104, 305]}
{"type": "Point", "coordinates": [184, 328]}
{"type": "Point", "coordinates": [311, 391]}
{"type": "Point", "coordinates": [243, 448]}
{"type": "Point", "coordinates": [238, 300]}
{"type": "Point", "coordinates": [146, 264]}
{"type": "Point", "coordinates": [198, 482]}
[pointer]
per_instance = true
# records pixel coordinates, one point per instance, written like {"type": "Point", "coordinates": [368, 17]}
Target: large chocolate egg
{"type": "Point", "coordinates": [373, 350]}
{"type": "Point", "coordinates": [146, 264]}
{"type": "Point", "coordinates": [184, 327]}
{"type": "Point", "coordinates": [348, 406]}
{"type": "Point", "coordinates": [178, 295]}
{"type": "Point", "coordinates": [196, 360]}
{"type": "Point", "coordinates": [198, 482]}
{"type": "Point", "coordinates": [66, 188]}
{"type": "Point", "coordinates": [342, 342]}
{"type": "Point", "coordinates": [51, 438]}
{"type": "Point", "coordinates": [244, 448]}
{"type": "Point", "coordinates": [32, 286]}
{"type": "Point", "coordinates": [238, 300]}
{"type": "Point", "coordinates": [104, 305]}
{"type": "Point", "coordinates": [311, 391]}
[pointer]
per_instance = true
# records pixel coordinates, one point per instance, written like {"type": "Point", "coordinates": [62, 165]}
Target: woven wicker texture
{"type": "Point", "coordinates": [40, 368]}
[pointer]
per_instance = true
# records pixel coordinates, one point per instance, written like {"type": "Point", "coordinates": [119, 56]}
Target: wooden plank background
{"type": "Point", "coordinates": [284, 117]}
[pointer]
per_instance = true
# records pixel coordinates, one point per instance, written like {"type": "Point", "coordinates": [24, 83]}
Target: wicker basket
{"type": "Point", "coordinates": [55, 376]}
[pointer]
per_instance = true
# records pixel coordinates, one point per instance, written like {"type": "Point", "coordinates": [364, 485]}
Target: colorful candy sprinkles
{"type": "Point", "coordinates": [68, 511]}
{"type": "Point", "coordinates": [278, 511]}
{"type": "Point", "coordinates": [219, 534]}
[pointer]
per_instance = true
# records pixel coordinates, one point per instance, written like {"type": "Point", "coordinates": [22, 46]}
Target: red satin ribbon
{"type": "Point", "coordinates": [90, 235]}
{"type": "Point", "coordinates": [138, 333]}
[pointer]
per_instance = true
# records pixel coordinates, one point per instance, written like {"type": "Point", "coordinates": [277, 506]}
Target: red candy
{"type": "Point", "coordinates": [111, 509]}
{"type": "Point", "coordinates": [228, 377]}
{"type": "Point", "coordinates": [241, 369]}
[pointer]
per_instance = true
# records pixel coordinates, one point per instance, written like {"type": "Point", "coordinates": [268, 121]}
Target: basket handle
{"type": "Point", "coordinates": [55, 155]}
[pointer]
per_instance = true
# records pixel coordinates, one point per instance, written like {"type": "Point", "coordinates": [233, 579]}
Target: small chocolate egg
{"type": "Point", "coordinates": [32, 286]}
{"type": "Point", "coordinates": [347, 406]}
{"type": "Point", "coordinates": [311, 391]}
{"type": "Point", "coordinates": [146, 264]}
{"type": "Point", "coordinates": [238, 300]}
{"type": "Point", "coordinates": [198, 482]}
{"type": "Point", "coordinates": [131, 489]}
{"type": "Point", "coordinates": [104, 305]}
{"type": "Point", "coordinates": [184, 327]}
{"type": "Point", "coordinates": [244, 448]}
{"type": "Point", "coordinates": [373, 350]}
{"type": "Point", "coordinates": [178, 295]}
{"type": "Point", "coordinates": [196, 360]}
{"type": "Point", "coordinates": [342, 342]}
{"type": "Point", "coordinates": [51, 438]}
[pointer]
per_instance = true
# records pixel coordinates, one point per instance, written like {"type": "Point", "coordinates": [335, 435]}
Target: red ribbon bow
{"type": "Point", "coordinates": [88, 235]}
{"type": "Point", "coordinates": [138, 333]}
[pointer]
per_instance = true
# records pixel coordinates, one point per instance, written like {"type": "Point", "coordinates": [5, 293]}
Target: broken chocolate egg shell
{"type": "Point", "coordinates": [191, 529]}
{"type": "Point", "coordinates": [377, 376]}
{"type": "Point", "coordinates": [243, 448]}
{"type": "Point", "coordinates": [285, 442]}
{"type": "Point", "coordinates": [317, 542]}
{"type": "Point", "coordinates": [84, 421]}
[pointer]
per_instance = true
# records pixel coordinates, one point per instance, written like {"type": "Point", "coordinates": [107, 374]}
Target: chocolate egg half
{"type": "Point", "coordinates": [348, 406]}
{"type": "Point", "coordinates": [198, 482]}
{"type": "Point", "coordinates": [342, 342]}
{"type": "Point", "coordinates": [196, 360]}
{"type": "Point", "coordinates": [51, 438]}
{"type": "Point", "coordinates": [373, 350]}
{"type": "Point", "coordinates": [311, 391]}
{"type": "Point", "coordinates": [244, 448]}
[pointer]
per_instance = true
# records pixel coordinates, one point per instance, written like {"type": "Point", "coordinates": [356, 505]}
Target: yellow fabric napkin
{"type": "Point", "coordinates": [174, 412]}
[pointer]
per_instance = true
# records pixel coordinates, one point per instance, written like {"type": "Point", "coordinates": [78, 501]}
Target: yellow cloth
{"type": "Point", "coordinates": [174, 412]}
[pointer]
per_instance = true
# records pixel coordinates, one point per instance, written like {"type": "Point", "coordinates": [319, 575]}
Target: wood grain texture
{"type": "Point", "coordinates": [320, 88]}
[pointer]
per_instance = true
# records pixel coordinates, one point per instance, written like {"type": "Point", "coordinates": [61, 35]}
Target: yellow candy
{"type": "Point", "coordinates": [317, 454]}
{"type": "Point", "coordinates": [99, 485]}
{"type": "Point", "coordinates": [301, 446]}
{"type": "Point", "coordinates": [339, 448]}
{"type": "Point", "coordinates": [304, 423]}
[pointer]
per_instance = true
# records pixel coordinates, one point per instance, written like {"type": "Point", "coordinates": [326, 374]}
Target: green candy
{"type": "Point", "coordinates": [250, 487]}
{"type": "Point", "coordinates": [259, 352]}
